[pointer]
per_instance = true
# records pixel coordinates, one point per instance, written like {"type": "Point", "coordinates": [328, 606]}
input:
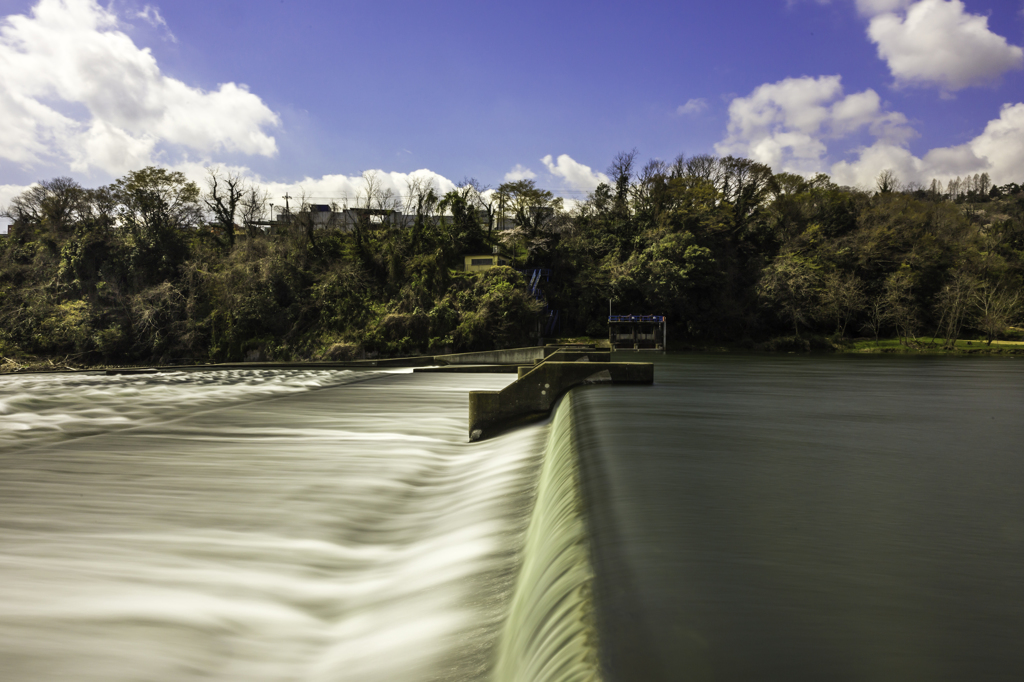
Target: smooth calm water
{"type": "Point", "coordinates": [746, 518]}
{"type": "Point", "coordinates": [795, 518]}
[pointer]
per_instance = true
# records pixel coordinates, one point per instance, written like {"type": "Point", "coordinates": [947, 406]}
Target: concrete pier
{"type": "Point", "coordinates": [508, 356]}
{"type": "Point", "coordinates": [573, 355]}
{"type": "Point", "coordinates": [521, 356]}
{"type": "Point", "coordinates": [472, 369]}
{"type": "Point", "coordinates": [534, 394]}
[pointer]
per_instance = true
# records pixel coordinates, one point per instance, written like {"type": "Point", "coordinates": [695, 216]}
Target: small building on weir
{"type": "Point", "coordinates": [638, 332]}
{"type": "Point", "coordinates": [483, 261]}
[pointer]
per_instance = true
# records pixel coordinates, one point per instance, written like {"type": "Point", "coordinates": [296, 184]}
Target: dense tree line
{"type": "Point", "coordinates": [155, 268]}
{"type": "Point", "coordinates": [731, 251]}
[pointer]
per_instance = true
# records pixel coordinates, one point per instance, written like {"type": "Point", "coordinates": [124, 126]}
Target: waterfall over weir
{"type": "Point", "coordinates": [551, 635]}
{"type": "Point", "coordinates": [284, 525]}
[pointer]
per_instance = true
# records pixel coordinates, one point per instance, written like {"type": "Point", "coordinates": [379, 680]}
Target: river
{"type": "Point", "coordinates": [808, 518]}
{"type": "Point", "coordinates": [772, 517]}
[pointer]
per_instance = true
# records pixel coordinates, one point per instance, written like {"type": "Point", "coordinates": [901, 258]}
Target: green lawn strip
{"type": "Point", "coordinates": [932, 345]}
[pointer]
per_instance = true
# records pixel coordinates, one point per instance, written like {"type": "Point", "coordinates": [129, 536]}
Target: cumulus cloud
{"type": "Point", "coordinates": [791, 124]}
{"type": "Point", "coordinates": [692, 106]}
{"type": "Point", "coordinates": [350, 190]}
{"type": "Point", "coordinates": [938, 42]}
{"type": "Point", "coordinates": [8, 192]}
{"type": "Point", "coordinates": [519, 172]}
{"type": "Point", "coordinates": [870, 8]}
{"type": "Point", "coordinates": [77, 90]}
{"type": "Point", "coordinates": [576, 175]}
{"type": "Point", "coordinates": [998, 151]}
{"type": "Point", "coordinates": [787, 124]}
{"type": "Point", "coordinates": [347, 191]}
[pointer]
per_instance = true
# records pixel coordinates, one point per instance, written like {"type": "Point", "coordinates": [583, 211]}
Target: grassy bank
{"type": "Point", "coordinates": [820, 344]}
{"type": "Point", "coordinates": [936, 346]}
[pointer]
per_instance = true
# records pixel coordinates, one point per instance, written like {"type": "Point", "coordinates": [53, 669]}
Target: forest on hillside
{"type": "Point", "coordinates": [155, 268]}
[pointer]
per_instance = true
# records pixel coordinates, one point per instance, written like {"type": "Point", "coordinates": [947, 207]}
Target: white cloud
{"type": "Point", "coordinates": [77, 90]}
{"type": "Point", "coordinates": [345, 190]}
{"type": "Point", "coordinates": [786, 124]}
{"type": "Point", "coordinates": [789, 125]}
{"type": "Point", "coordinates": [873, 160]}
{"type": "Point", "coordinates": [519, 172]}
{"type": "Point", "coordinates": [576, 175]}
{"type": "Point", "coordinates": [350, 190]}
{"type": "Point", "coordinates": [870, 8]}
{"type": "Point", "coordinates": [692, 106]}
{"type": "Point", "coordinates": [939, 43]}
{"type": "Point", "coordinates": [151, 15]}
{"type": "Point", "coordinates": [1002, 144]}
{"type": "Point", "coordinates": [998, 151]}
{"type": "Point", "coordinates": [8, 192]}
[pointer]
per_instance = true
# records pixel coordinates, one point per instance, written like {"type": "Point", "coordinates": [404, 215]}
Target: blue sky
{"type": "Point", "coordinates": [310, 95]}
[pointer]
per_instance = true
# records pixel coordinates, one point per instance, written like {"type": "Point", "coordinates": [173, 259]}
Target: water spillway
{"type": "Point", "coordinates": [236, 525]}
{"type": "Point", "coordinates": [551, 635]}
{"type": "Point", "coordinates": [771, 518]}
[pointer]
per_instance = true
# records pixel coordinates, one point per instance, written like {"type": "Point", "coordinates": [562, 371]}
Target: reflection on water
{"type": "Point", "coordinates": [794, 518]}
{"type": "Point", "coordinates": [302, 530]}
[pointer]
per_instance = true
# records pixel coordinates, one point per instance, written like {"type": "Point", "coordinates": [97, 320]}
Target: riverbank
{"type": "Point", "coordinates": [1014, 345]}
{"type": "Point", "coordinates": [924, 345]}
{"type": "Point", "coordinates": [502, 357]}
{"type": "Point", "coordinates": [937, 346]}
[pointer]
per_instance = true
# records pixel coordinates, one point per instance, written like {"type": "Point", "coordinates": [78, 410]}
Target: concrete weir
{"type": "Point", "coordinates": [534, 393]}
{"type": "Point", "coordinates": [523, 356]}
{"type": "Point", "coordinates": [507, 356]}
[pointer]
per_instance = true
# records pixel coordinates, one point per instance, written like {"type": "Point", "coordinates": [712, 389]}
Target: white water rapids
{"type": "Point", "coordinates": [258, 526]}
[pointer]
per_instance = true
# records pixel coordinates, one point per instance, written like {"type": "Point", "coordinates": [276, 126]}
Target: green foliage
{"type": "Point", "coordinates": [790, 285]}
{"type": "Point", "coordinates": [498, 313]}
{"type": "Point", "coordinates": [148, 269]}
{"type": "Point", "coordinates": [65, 328]}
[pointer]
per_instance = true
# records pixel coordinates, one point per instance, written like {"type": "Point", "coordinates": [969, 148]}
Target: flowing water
{"type": "Point", "coordinates": [551, 635]}
{"type": "Point", "coordinates": [745, 518]}
{"type": "Point", "coordinates": [288, 525]}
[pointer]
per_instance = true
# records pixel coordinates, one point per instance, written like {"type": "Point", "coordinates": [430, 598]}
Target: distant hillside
{"type": "Point", "coordinates": [154, 268]}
